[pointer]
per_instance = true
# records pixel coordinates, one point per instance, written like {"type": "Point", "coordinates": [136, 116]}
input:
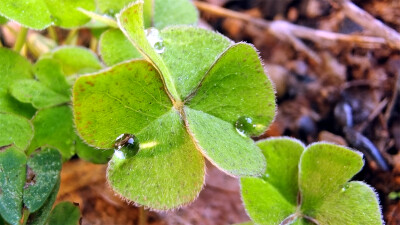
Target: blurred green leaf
{"type": "Point", "coordinates": [12, 181]}
{"type": "Point", "coordinates": [90, 154]}
{"type": "Point", "coordinates": [15, 130]}
{"type": "Point", "coordinates": [43, 173]}
{"type": "Point", "coordinates": [39, 14]}
{"type": "Point", "coordinates": [65, 213]}
{"type": "Point", "coordinates": [11, 73]}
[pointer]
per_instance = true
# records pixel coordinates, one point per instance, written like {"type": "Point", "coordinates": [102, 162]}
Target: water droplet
{"type": "Point", "coordinates": [345, 187]}
{"type": "Point", "coordinates": [245, 126]}
{"type": "Point", "coordinates": [155, 40]}
{"type": "Point", "coordinates": [126, 146]}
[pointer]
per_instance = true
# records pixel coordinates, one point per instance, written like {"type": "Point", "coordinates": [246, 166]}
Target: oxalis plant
{"type": "Point", "coordinates": [197, 95]}
{"type": "Point", "coordinates": [309, 185]}
{"type": "Point", "coordinates": [170, 97]}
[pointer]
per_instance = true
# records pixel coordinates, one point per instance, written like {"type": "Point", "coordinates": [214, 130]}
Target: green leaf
{"type": "Point", "coordinates": [264, 203]}
{"type": "Point", "coordinates": [36, 93]}
{"type": "Point", "coordinates": [197, 48]}
{"type": "Point", "coordinates": [326, 195]}
{"type": "Point", "coordinates": [11, 73]}
{"type": "Point", "coordinates": [114, 48]}
{"type": "Point", "coordinates": [355, 204]}
{"type": "Point", "coordinates": [15, 130]}
{"type": "Point", "coordinates": [90, 154]}
{"type": "Point", "coordinates": [54, 127]}
{"type": "Point", "coordinates": [128, 97]}
{"type": "Point", "coordinates": [283, 156]}
{"type": "Point", "coordinates": [273, 198]}
{"type": "Point", "coordinates": [39, 14]}
{"type": "Point", "coordinates": [49, 73]}
{"type": "Point", "coordinates": [76, 60]}
{"type": "Point", "coordinates": [166, 173]}
{"type": "Point", "coordinates": [325, 168]}
{"type": "Point", "coordinates": [66, 14]}
{"type": "Point", "coordinates": [173, 12]}
{"type": "Point", "coordinates": [320, 173]}
{"type": "Point", "coordinates": [65, 213]}
{"type": "Point", "coordinates": [2, 21]}
{"type": "Point", "coordinates": [157, 13]}
{"type": "Point", "coordinates": [43, 173]}
{"type": "Point", "coordinates": [12, 181]}
{"type": "Point", "coordinates": [238, 70]}
{"type": "Point", "coordinates": [219, 141]}
{"type": "Point", "coordinates": [40, 216]}
{"type": "Point", "coordinates": [131, 24]}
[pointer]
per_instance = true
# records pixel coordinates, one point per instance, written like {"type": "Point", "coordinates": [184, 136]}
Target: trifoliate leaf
{"type": "Point", "coordinates": [135, 97]}
{"type": "Point", "coordinates": [309, 187]}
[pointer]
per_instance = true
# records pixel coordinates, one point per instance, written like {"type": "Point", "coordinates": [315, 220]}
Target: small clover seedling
{"type": "Point", "coordinates": [309, 185]}
{"type": "Point", "coordinates": [182, 104]}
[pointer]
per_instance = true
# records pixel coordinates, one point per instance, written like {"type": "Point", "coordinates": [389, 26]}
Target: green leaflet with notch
{"type": "Point", "coordinates": [12, 181]}
{"type": "Point", "coordinates": [75, 60]}
{"type": "Point", "coordinates": [49, 73]}
{"type": "Point", "coordinates": [40, 216]}
{"type": "Point", "coordinates": [132, 97]}
{"type": "Point", "coordinates": [36, 93]}
{"type": "Point", "coordinates": [166, 173]}
{"type": "Point", "coordinates": [39, 14]}
{"type": "Point", "coordinates": [9, 74]}
{"type": "Point", "coordinates": [43, 174]}
{"type": "Point", "coordinates": [54, 127]}
{"type": "Point", "coordinates": [130, 21]}
{"type": "Point", "coordinates": [188, 44]}
{"type": "Point", "coordinates": [65, 213]}
{"type": "Point", "coordinates": [17, 130]}
{"type": "Point", "coordinates": [219, 141]}
{"type": "Point", "coordinates": [323, 173]}
{"type": "Point", "coordinates": [114, 48]}
{"type": "Point", "coordinates": [278, 185]}
{"type": "Point", "coordinates": [131, 94]}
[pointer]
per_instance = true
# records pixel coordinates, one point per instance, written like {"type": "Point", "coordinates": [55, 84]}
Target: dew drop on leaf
{"type": "Point", "coordinates": [155, 40]}
{"type": "Point", "coordinates": [245, 126]}
{"type": "Point", "coordinates": [345, 187]}
{"type": "Point", "coordinates": [126, 146]}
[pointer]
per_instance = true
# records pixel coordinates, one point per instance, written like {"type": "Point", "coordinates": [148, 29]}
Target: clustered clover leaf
{"type": "Point", "coordinates": [182, 104]}
{"type": "Point", "coordinates": [309, 185]}
{"type": "Point", "coordinates": [41, 92]}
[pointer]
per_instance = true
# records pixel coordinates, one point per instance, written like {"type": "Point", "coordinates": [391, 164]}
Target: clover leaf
{"type": "Point", "coordinates": [26, 181]}
{"type": "Point", "coordinates": [114, 47]}
{"type": "Point", "coordinates": [181, 105]}
{"type": "Point", "coordinates": [65, 213]}
{"type": "Point", "coordinates": [39, 14]}
{"type": "Point", "coordinates": [309, 185]}
{"type": "Point", "coordinates": [11, 73]}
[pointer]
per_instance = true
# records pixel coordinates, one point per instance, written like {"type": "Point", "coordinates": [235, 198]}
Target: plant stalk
{"type": "Point", "coordinates": [52, 33]}
{"type": "Point", "coordinates": [71, 37]}
{"type": "Point", "coordinates": [20, 39]}
{"type": "Point", "coordinates": [25, 216]}
{"type": "Point", "coordinates": [142, 216]}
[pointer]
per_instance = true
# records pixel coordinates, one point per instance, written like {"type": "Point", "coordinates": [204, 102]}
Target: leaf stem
{"type": "Point", "coordinates": [25, 216]}
{"type": "Point", "coordinates": [71, 36]}
{"type": "Point", "coordinates": [142, 216]}
{"type": "Point", "coordinates": [52, 33]}
{"type": "Point", "coordinates": [20, 39]}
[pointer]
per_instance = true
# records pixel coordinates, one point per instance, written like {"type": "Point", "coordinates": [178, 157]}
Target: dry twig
{"type": "Point", "coordinates": [293, 33]}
